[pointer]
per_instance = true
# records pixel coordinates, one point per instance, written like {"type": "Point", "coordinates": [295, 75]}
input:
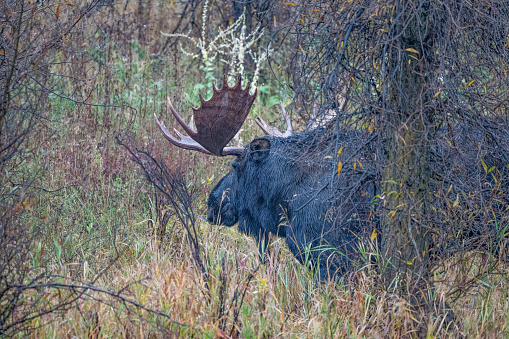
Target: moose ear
{"type": "Point", "coordinates": [259, 149]}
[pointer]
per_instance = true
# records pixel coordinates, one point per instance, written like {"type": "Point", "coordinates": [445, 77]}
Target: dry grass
{"type": "Point", "coordinates": [280, 299]}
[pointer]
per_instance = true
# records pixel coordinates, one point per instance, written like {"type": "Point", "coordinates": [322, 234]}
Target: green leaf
{"type": "Point", "coordinates": [263, 89]}
{"type": "Point", "coordinates": [199, 86]}
{"type": "Point", "coordinates": [273, 100]}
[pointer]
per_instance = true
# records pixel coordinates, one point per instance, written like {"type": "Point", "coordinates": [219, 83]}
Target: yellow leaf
{"type": "Point", "coordinates": [484, 166]}
{"type": "Point", "coordinates": [340, 150]}
{"type": "Point", "coordinates": [290, 3]}
{"type": "Point", "coordinates": [374, 63]}
{"type": "Point", "coordinates": [371, 126]}
{"type": "Point", "coordinates": [354, 166]}
{"type": "Point", "coordinates": [409, 263]}
{"type": "Point", "coordinates": [457, 201]}
{"type": "Point", "coordinates": [392, 213]}
{"type": "Point", "coordinates": [360, 164]}
{"type": "Point", "coordinates": [340, 167]}
{"type": "Point", "coordinates": [412, 50]}
{"type": "Point", "coordinates": [25, 202]}
{"type": "Point", "coordinates": [374, 234]}
{"type": "Point", "coordinates": [470, 83]}
{"type": "Point", "coordinates": [437, 93]}
{"type": "Point", "coordinates": [302, 21]}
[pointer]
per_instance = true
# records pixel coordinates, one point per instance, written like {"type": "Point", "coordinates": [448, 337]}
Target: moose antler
{"type": "Point", "coordinates": [273, 130]}
{"type": "Point", "coordinates": [217, 121]}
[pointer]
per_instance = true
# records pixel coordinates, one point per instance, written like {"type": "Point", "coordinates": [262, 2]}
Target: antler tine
{"type": "Point", "coordinates": [189, 130]}
{"type": "Point", "coordinates": [273, 130]}
{"type": "Point", "coordinates": [289, 126]}
{"type": "Point", "coordinates": [181, 140]}
{"type": "Point", "coordinates": [237, 83]}
{"type": "Point", "coordinates": [225, 82]}
{"type": "Point", "coordinates": [266, 128]}
{"type": "Point", "coordinates": [191, 124]}
{"type": "Point", "coordinates": [233, 150]}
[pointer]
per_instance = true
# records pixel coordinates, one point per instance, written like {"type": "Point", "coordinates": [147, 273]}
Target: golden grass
{"type": "Point", "coordinates": [281, 300]}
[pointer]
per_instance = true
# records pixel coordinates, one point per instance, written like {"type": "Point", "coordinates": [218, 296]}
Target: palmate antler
{"type": "Point", "coordinates": [217, 121]}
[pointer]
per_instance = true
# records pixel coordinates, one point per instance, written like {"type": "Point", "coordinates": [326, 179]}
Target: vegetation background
{"type": "Point", "coordinates": [101, 232]}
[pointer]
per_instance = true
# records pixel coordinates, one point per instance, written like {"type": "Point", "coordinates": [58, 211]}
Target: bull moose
{"type": "Point", "coordinates": [290, 184]}
{"type": "Point", "coordinates": [276, 186]}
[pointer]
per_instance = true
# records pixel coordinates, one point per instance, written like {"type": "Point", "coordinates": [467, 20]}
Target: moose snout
{"type": "Point", "coordinates": [211, 217]}
{"type": "Point", "coordinates": [226, 215]}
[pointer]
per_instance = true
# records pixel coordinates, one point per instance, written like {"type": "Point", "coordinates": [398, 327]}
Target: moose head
{"type": "Point", "coordinates": [217, 121]}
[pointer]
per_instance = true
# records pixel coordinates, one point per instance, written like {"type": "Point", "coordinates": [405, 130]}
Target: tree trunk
{"type": "Point", "coordinates": [407, 174]}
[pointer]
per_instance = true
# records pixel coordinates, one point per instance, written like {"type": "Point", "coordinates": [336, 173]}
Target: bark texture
{"type": "Point", "coordinates": [407, 174]}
